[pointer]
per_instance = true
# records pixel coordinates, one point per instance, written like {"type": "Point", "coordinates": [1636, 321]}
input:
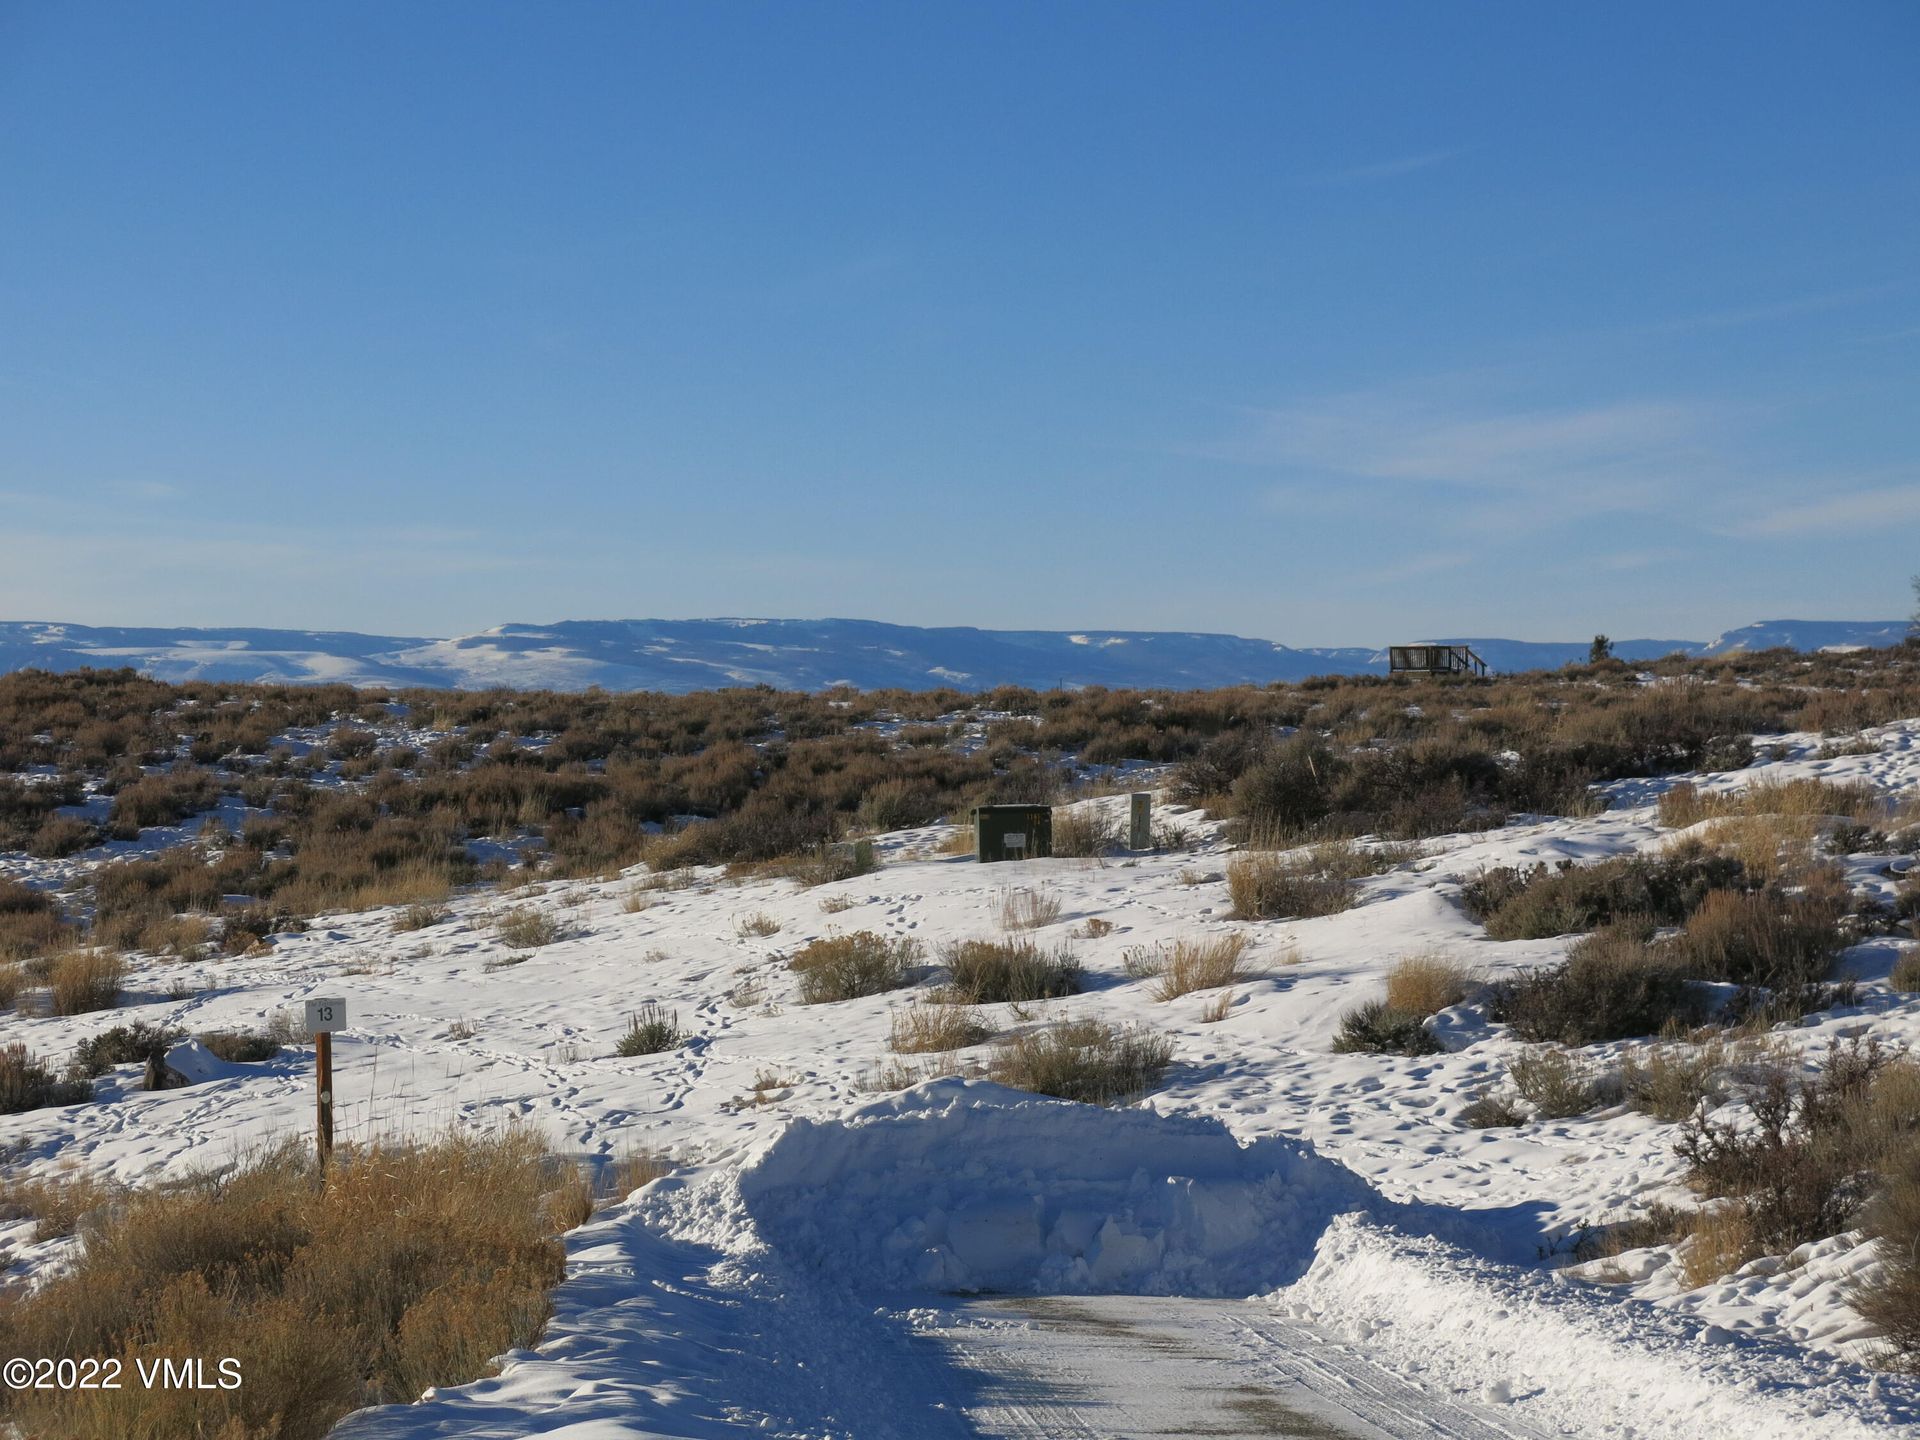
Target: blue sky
{"type": "Point", "coordinates": [1326, 323]}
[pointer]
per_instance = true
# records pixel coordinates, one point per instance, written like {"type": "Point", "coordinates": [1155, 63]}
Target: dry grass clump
{"type": "Point", "coordinates": [419, 917]}
{"type": "Point", "coordinates": [30, 923]}
{"type": "Point", "coordinates": [1488, 1111]}
{"type": "Point", "coordinates": [56, 1203]}
{"type": "Point", "coordinates": [29, 1083]}
{"type": "Point", "coordinates": [846, 967]}
{"type": "Point", "coordinates": [1718, 1242]}
{"type": "Point", "coordinates": [892, 1075]}
{"type": "Point", "coordinates": [1085, 831]}
{"type": "Point", "coordinates": [184, 936]}
{"type": "Point", "coordinates": [1025, 909]}
{"type": "Point", "coordinates": [994, 972]}
{"type": "Point", "coordinates": [957, 841]}
{"type": "Point", "coordinates": [1772, 849]}
{"type": "Point", "coordinates": [1094, 927]}
{"type": "Point", "coordinates": [757, 926]}
{"type": "Point", "coordinates": [162, 799]}
{"type": "Point", "coordinates": [85, 980]}
{"type": "Point", "coordinates": [1427, 984]}
{"type": "Point", "coordinates": [935, 1029]}
{"type": "Point", "coordinates": [1686, 804]}
{"type": "Point", "coordinates": [1085, 1060]}
{"type": "Point", "coordinates": [812, 865]}
{"type": "Point", "coordinates": [896, 804]}
{"type": "Point", "coordinates": [1671, 1080]}
{"type": "Point", "coordinates": [651, 1031]}
{"type": "Point", "coordinates": [632, 1170]}
{"type": "Point", "coordinates": [1555, 1083]}
{"type": "Point", "coordinates": [426, 1262]}
{"type": "Point", "coordinates": [658, 880]}
{"type": "Point", "coordinates": [1192, 965]}
{"type": "Point", "coordinates": [1303, 884]}
{"type": "Point", "coordinates": [240, 1047]}
{"type": "Point", "coordinates": [527, 928]}
{"type": "Point", "coordinates": [1891, 1299]}
{"type": "Point", "coordinates": [1771, 825]}
{"type": "Point", "coordinates": [569, 1204]}
{"type": "Point", "coordinates": [1906, 971]}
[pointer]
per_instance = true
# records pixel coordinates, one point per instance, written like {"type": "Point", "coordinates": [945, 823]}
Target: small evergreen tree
{"type": "Point", "coordinates": [1601, 649]}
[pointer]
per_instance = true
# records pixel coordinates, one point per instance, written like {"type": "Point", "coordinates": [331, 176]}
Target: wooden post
{"type": "Point", "coordinates": [324, 1016]}
{"type": "Point", "coordinates": [323, 1058]}
{"type": "Point", "coordinates": [1140, 820]}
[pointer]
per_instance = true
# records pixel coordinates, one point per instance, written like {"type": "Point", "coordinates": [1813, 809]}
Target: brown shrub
{"type": "Point", "coordinates": [1556, 1084]}
{"type": "Point", "coordinates": [1801, 1168]}
{"type": "Point", "coordinates": [846, 967]}
{"type": "Point", "coordinates": [993, 972]}
{"type": "Point", "coordinates": [1543, 902]}
{"type": "Point", "coordinates": [26, 1083]}
{"type": "Point", "coordinates": [1084, 1060]}
{"type": "Point", "coordinates": [426, 1261]}
{"type": "Point", "coordinates": [56, 1203]}
{"type": "Point", "coordinates": [1762, 938]}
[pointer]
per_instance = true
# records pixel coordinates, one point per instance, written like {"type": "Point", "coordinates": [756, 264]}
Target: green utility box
{"type": "Point", "coordinates": [1140, 820]}
{"type": "Point", "coordinates": [1012, 832]}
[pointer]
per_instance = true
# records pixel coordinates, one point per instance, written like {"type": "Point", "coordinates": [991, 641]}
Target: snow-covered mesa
{"type": "Point", "coordinates": [680, 656]}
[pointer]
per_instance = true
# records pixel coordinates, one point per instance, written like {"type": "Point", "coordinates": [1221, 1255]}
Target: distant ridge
{"type": "Point", "coordinates": [683, 655]}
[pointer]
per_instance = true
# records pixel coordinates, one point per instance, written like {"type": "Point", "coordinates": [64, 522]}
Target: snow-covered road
{"type": "Point", "coordinates": [1125, 1366]}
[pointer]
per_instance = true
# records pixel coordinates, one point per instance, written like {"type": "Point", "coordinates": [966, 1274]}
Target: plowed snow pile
{"type": "Point", "coordinates": [964, 1186]}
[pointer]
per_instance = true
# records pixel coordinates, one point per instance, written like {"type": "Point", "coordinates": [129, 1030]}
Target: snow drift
{"type": "Point", "coordinates": [965, 1186]}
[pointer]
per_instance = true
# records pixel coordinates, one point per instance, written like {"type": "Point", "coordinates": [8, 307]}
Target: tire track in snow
{"type": "Point", "coordinates": [1117, 1367]}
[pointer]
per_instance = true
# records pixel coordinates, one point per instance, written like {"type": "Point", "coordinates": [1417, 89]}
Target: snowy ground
{"type": "Point", "coordinates": [1320, 1237]}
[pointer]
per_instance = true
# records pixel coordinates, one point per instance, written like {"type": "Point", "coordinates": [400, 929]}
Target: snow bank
{"type": "Point", "coordinates": [1573, 1356]}
{"type": "Point", "coordinates": [964, 1186]}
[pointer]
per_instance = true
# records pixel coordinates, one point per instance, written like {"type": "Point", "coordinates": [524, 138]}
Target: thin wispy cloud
{"type": "Point", "coordinates": [1763, 312]}
{"type": "Point", "coordinates": [145, 490]}
{"type": "Point", "coordinates": [1629, 560]}
{"type": "Point", "coordinates": [1890, 505]}
{"type": "Point", "coordinates": [1410, 438]}
{"type": "Point", "coordinates": [1394, 168]}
